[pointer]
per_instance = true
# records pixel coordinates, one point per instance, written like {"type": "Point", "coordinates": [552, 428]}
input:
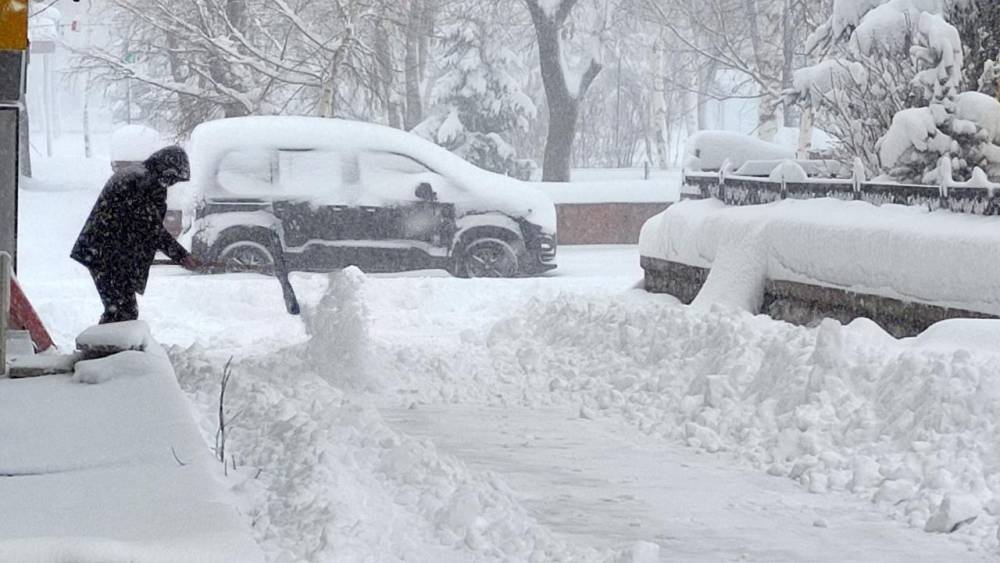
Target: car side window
{"type": "Point", "coordinates": [391, 177]}
{"type": "Point", "coordinates": [246, 172]}
{"type": "Point", "coordinates": [315, 175]}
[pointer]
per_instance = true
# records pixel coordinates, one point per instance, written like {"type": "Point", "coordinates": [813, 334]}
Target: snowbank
{"type": "Point", "coordinates": [836, 408]}
{"type": "Point", "coordinates": [899, 252]}
{"type": "Point", "coordinates": [326, 479]}
{"type": "Point", "coordinates": [708, 150]}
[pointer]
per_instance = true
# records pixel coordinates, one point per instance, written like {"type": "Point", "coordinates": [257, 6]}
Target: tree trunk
{"type": "Point", "coordinates": [559, 141]}
{"type": "Point", "coordinates": [563, 104]}
{"type": "Point", "coordinates": [328, 105]}
{"type": "Point", "coordinates": [788, 58]}
{"type": "Point", "coordinates": [659, 112]}
{"type": "Point", "coordinates": [767, 116]}
{"type": "Point", "coordinates": [805, 133]}
{"type": "Point", "coordinates": [411, 72]}
{"type": "Point", "coordinates": [383, 56]}
{"type": "Point", "coordinates": [689, 108]}
{"type": "Point", "coordinates": [705, 79]}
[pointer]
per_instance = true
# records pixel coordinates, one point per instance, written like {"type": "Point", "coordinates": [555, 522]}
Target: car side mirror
{"type": "Point", "coordinates": [425, 192]}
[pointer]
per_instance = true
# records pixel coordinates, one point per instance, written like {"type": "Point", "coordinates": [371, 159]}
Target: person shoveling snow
{"type": "Point", "coordinates": [125, 230]}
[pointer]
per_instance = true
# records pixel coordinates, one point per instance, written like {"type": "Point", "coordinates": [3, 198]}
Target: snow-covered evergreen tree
{"type": "Point", "coordinates": [905, 61]}
{"type": "Point", "coordinates": [950, 134]}
{"type": "Point", "coordinates": [478, 101]}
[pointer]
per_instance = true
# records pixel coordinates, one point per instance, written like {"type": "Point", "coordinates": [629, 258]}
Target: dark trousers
{"type": "Point", "coordinates": [118, 297]}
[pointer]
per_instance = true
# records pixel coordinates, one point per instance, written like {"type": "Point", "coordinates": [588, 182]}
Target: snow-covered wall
{"type": "Point", "coordinates": [905, 253]}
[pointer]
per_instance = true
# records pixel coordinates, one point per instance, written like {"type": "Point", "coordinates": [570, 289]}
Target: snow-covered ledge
{"type": "Point", "coordinates": [108, 464]}
{"type": "Point", "coordinates": [901, 266]}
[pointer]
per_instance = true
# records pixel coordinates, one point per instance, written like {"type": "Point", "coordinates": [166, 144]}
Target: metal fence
{"type": "Point", "coordinates": [746, 190]}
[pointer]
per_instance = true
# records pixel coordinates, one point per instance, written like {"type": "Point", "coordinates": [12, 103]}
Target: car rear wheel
{"type": "Point", "coordinates": [247, 255]}
{"type": "Point", "coordinates": [489, 258]}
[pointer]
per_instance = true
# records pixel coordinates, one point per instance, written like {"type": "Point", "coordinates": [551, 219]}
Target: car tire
{"type": "Point", "coordinates": [487, 258]}
{"type": "Point", "coordinates": [243, 251]}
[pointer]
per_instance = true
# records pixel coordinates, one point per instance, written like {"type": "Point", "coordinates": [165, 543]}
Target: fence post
{"type": "Point", "coordinates": [723, 171]}
{"type": "Point", "coordinates": [946, 179]}
{"type": "Point", "coordinates": [858, 177]}
{"type": "Point", "coordinates": [5, 273]}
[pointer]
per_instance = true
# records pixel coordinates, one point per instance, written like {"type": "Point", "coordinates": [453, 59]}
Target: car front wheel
{"type": "Point", "coordinates": [247, 255]}
{"type": "Point", "coordinates": [489, 258]}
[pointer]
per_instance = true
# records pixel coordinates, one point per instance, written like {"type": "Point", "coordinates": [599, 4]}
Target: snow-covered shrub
{"type": "Point", "coordinates": [865, 75]}
{"type": "Point", "coordinates": [954, 134]}
{"type": "Point", "coordinates": [478, 100]}
{"type": "Point", "coordinates": [891, 93]}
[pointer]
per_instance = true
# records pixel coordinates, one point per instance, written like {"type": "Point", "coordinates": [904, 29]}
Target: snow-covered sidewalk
{"type": "Point", "coordinates": [115, 471]}
{"type": "Point", "coordinates": [598, 483]}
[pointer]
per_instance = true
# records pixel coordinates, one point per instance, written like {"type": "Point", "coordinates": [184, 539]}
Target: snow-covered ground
{"type": "Point", "coordinates": [570, 417]}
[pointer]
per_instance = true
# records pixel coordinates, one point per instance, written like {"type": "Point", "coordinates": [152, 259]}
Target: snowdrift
{"type": "Point", "coordinates": [908, 424]}
{"type": "Point", "coordinates": [906, 253]}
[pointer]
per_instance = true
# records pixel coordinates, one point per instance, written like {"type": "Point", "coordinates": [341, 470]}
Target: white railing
{"type": "Point", "coordinates": [5, 273]}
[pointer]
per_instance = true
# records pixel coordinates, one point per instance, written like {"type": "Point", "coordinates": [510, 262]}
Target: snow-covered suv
{"type": "Point", "coordinates": [341, 192]}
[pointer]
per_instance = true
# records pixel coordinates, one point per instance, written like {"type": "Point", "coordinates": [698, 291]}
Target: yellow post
{"type": "Point", "coordinates": [14, 25]}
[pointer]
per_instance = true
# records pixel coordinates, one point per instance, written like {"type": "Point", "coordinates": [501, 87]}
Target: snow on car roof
{"type": "Point", "coordinates": [212, 139]}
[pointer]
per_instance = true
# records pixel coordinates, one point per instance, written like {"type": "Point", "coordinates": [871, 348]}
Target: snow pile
{"type": "Point", "coordinates": [906, 253]}
{"type": "Point", "coordinates": [338, 346]}
{"type": "Point", "coordinates": [835, 408]}
{"type": "Point", "coordinates": [325, 479]}
{"type": "Point", "coordinates": [709, 150]}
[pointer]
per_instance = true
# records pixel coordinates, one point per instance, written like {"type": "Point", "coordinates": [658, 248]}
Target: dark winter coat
{"type": "Point", "coordinates": [125, 228]}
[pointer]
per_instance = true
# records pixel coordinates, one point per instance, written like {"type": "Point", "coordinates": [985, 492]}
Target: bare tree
{"type": "Point", "coordinates": [193, 60]}
{"type": "Point", "coordinates": [563, 93]}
